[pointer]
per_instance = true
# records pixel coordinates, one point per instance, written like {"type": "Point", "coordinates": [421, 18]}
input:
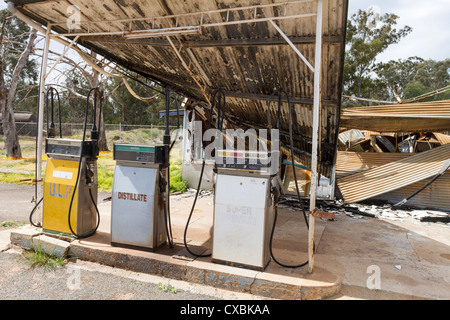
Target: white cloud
{"type": "Point", "coordinates": [430, 23]}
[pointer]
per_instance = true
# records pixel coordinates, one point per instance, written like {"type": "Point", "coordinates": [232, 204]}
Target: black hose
{"type": "Point", "coordinates": [280, 92]}
{"type": "Point", "coordinates": [178, 122]}
{"type": "Point", "coordinates": [79, 171]}
{"type": "Point", "coordinates": [51, 89]}
{"type": "Point", "coordinates": [220, 113]}
{"type": "Point", "coordinates": [166, 142]}
{"type": "Point", "coordinates": [51, 128]}
{"type": "Point", "coordinates": [444, 168]}
{"type": "Point", "coordinates": [32, 213]}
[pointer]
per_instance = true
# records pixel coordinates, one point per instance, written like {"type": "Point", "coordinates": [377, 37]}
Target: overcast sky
{"type": "Point", "coordinates": [429, 20]}
{"type": "Point", "coordinates": [430, 23]}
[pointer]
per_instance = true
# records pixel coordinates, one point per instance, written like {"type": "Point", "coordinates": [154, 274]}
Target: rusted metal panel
{"type": "Point", "coordinates": [410, 117]}
{"type": "Point", "coordinates": [394, 175]}
{"type": "Point", "coordinates": [322, 214]}
{"type": "Point", "coordinates": [349, 163]}
{"type": "Point", "coordinates": [442, 138]}
{"type": "Point", "coordinates": [435, 196]}
{"type": "Point", "coordinates": [245, 68]}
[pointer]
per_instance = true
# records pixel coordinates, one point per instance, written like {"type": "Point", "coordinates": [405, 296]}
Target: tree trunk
{"type": "Point", "coordinates": [7, 95]}
{"type": "Point", "coordinates": [12, 145]}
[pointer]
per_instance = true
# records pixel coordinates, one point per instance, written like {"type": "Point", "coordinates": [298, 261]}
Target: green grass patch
{"type": "Point", "coordinates": [12, 224]}
{"type": "Point", "coordinates": [16, 178]}
{"type": "Point", "coordinates": [105, 178]}
{"type": "Point", "coordinates": [38, 257]}
{"type": "Point", "coordinates": [177, 184]}
{"type": "Point", "coordinates": [146, 136]}
{"type": "Point", "coordinates": [167, 288]}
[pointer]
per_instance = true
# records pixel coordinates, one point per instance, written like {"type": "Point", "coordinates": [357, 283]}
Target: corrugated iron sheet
{"type": "Point", "coordinates": [442, 138]}
{"type": "Point", "coordinates": [435, 196]}
{"type": "Point", "coordinates": [248, 61]}
{"type": "Point", "coordinates": [349, 163]}
{"type": "Point", "coordinates": [392, 176]}
{"type": "Point", "coordinates": [350, 137]}
{"type": "Point", "coordinates": [410, 117]}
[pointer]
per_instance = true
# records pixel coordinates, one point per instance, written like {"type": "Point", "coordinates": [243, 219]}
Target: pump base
{"type": "Point", "coordinates": [130, 246]}
{"type": "Point", "coordinates": [59, 233]}
{"type": "Point", "coordinates": [240, 265]}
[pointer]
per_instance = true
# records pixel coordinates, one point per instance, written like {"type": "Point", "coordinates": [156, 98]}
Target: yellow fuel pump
{"type": "Point", "coordinates": [70, 182]}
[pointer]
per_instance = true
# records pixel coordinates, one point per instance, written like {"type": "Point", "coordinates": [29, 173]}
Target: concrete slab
{"type": "Point", "coordinates": [23, 237]}
{"type": "Point", "coordinates": [51, 246]}
{"type": "Point", "coordinates": [348, 249]}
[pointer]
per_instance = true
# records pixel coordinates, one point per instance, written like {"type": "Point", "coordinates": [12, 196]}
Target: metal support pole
{"type": "Point", "coordinates": [292, 45]}
{"type": "Point", "coordinates": [315, 133]}
{"type": "Point", "coordinates": [41, 117]}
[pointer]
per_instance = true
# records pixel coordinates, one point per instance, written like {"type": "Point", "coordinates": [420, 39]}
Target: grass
{"type": "Point", "coordinates": [12, 224]}
{"type": "Point", "coordinates": [38, 257]}
{"type": "Point", "coordinates": [136, 136]}
{"type": "Point", "coordinates": [105, 172]}
{"type": "Point", "coordinates": [177, 184]}
{"type": "Point", "coordinates": [16, 178]}
{"type": "Point", "coordinates": [167, 288]}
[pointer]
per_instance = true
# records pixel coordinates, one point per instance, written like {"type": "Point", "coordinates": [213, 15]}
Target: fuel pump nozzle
{"type": "Point", "coordinates": [94, 130]}
{"type": "Point", "coordinates": [51, 130]}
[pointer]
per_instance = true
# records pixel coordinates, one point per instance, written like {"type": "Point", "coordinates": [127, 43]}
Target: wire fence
{"type": "Point", "coordinates": [137, 134]}
{"type": "Point", "coordinates": [29, 129]}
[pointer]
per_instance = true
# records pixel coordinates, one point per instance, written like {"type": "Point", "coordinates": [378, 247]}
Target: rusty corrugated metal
{"type": "Point", "coordinates": [349, 163]}
{"type": "Point", "coordinates": [392, 176]}
{"type": "Point", "coordinates": [249, 61]}
{"type": "Point", "coordinates": [435, 196]}
{"type": "Point", "coordinates": [442, 138]}
{"type": "Point", "coordinates": [410, 117]}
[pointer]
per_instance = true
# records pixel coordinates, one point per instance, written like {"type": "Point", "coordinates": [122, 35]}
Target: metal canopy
{"type": "Point", "coordinates": [248, 48]}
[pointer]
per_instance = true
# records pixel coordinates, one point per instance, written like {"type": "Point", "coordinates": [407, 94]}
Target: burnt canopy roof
{"type": "Point", "coordinates": [248, 60]}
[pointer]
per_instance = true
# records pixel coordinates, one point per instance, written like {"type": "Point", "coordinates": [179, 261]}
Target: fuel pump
{"type": "Point", "coordinates": [246, 198]}
{"type": "Point", "coordinates": [140, 216]}
{"type": "Point", "coordinates": [243, 205]}
{"type": "Point", "coordinates": [70, 181]}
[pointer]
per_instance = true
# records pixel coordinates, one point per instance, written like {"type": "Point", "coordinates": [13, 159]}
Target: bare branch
{"type": "Point", "coordinates": [19, 66]}
{"type": "Point", "coordinates": [114, 90]}
{"type": "Point", "coordinates": [71, 90]}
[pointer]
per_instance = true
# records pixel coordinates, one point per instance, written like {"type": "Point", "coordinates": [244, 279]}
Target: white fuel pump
{"type": "Point", "coordinates": [140, 215]}
{"type": "Point", "coordinates": [246, 197]}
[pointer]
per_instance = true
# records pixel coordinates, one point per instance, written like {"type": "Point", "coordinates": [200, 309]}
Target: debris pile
{"type": "Point", "coordinates": [328, 210]}
{"type": "Point", "coordinates": [393, 166]}
{"type": "Point", "coordinates": [389, 213]}
{"type": "Point", "coordinates": [384, 211]}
